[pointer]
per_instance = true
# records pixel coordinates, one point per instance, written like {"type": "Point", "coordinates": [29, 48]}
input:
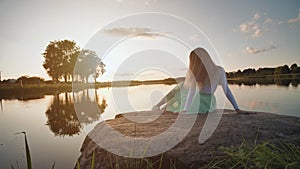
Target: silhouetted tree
{"type": "Point", "coordinates": [248, 72]}
{"type": "Point", "coordinates": [60, 57]}
{"type": "Point", "coordinates": [89, 64]}
{"type": "Point", "coordinates": [30, 80]}
{"type": "Point", "coordinates": [282, 70]}
{"type": "Point", "coordinates": [239, 73]}
{"type": "Point", "coordinates": [70, 67]}
{"type": "Point", "coordinates": [295, 68]}
{"type": "Point", "coordinates": [265, 71]}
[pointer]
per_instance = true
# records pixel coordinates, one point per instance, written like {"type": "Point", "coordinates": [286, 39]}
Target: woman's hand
{"type": "Point", "coordinates": [244, 112]}
{"type": "Point", "coordinates": [156, 107]}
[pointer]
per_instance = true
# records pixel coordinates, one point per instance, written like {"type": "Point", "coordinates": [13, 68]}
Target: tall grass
{"type": "Point", "coordinates": [28, 157]}
{"type": "Point", "coordinates": [280, 154]}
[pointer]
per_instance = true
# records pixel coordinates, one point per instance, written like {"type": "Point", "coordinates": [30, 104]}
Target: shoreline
{"type": "Point", "coordinates": [7, 90]}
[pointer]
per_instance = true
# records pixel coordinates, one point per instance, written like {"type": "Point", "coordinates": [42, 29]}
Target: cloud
{"type": "Point", "coordinates": [257, 33]}
{"type": "Point", "coordinates": [256, 16]}
{"type": "Point", "coordinates": [248, 27]}
{"type": "Point", "coordinates": [295, 20]}
{"type": "Point", "coordinates": [258, 25]}
{"type": "Point", "coordinates": [252, 50]}
{"type": "Point", "coordinates": [135, 31]}
{"type": "Point", "coordinates": [268, 21]}
{"type": "Point", "coordinates": [252, 27]}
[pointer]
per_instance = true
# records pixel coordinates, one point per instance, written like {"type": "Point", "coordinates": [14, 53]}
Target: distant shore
{"type": "Point", "coordinates": [279, 79]}
{"type": "Point", "coordinates": [31, 91]}
{"type": "Point", "coordinates": [37, 90]}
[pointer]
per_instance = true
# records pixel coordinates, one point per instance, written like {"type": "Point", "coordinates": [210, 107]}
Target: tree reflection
{"type": "Point", "coordinates": [62, 117]}
{"type": "Point", "coordinates": [283, 82]}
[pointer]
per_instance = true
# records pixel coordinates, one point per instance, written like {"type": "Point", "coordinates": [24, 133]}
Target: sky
{"type": "Point", "coordinates": [239, 34]}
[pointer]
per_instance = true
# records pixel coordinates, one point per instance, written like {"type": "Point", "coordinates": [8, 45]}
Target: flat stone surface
{"type": "Point", "coordinates": [232, 130]}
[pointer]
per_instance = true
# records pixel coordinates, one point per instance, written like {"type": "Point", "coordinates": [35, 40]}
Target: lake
{"type": "Point", "coordinates": [55, 132]}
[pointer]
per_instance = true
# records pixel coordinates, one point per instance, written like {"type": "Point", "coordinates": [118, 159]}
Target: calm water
{"type": "Point", "coordinates": [55, 134]}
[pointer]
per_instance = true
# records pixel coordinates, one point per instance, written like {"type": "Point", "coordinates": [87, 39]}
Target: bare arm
{"type": "Point", "coordinates": [227, 91]}
{"type": "Point", "coordinates": [165, 99]}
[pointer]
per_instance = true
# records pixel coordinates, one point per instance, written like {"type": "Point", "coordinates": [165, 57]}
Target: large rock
{"type": "Point", "coordinates": [232, 130]}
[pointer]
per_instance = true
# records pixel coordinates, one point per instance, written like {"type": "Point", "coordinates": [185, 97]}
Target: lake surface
{"type": "Point", "coordinates": [56, 132]}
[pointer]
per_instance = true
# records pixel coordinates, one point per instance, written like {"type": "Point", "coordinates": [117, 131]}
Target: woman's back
{"type": "Point", "coordinates": [215, 78]}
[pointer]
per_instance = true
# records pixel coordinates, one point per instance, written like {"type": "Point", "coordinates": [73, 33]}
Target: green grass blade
{"type": "Point", "coordinates": [161, 159]}
{"type": "Point", "coordinates": [28, 157]}
{"type": "Point", "coordinates": [93, 160]}
{"type": "Point", "coordinates": [78, 165]}
{"type": "Point", "coordinates": [12, 167]}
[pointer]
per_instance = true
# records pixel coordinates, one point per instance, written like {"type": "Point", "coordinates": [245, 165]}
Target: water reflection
{"type": "Point", "coordinates": [266, 81]}
{"type": "Point", "coordinates": [22, 96]}
{"type": "Point", "coordinates": [62, 118]}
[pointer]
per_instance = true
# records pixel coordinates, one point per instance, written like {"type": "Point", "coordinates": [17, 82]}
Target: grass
{"type": "Point", "coordinates": [267, 155]}
{"type": "Point", "coordinates": [280, 154]}
{"type": "Point", "coordinates": [28, 156]}
{"type": "Point", "coordinates": [115, 162]}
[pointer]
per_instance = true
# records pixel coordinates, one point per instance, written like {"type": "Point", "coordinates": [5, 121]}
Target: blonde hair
{"type": "Point", "coordinates": [201, 69]}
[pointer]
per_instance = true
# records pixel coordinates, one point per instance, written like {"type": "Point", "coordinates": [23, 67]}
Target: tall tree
{"type": "Point", "coordinates": [59, 59]}
{"type": "Point", "coordinates": [295, 68]}
{"type": "Point", "coordinates": [282, 70]}
{"type": "Point", "coordinates": [88, 64]}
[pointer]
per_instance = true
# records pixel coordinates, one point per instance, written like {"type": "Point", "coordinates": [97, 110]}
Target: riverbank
{"type": "Point", "coordinates": [233, 130]}
{"type": "Point", "coordinates": [38, 90]}
{"type": "Point", "coordinates": [280, 79]}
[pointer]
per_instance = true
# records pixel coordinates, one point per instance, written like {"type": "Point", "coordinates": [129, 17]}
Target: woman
{"type": "Point", "coordinates": [196, 93]}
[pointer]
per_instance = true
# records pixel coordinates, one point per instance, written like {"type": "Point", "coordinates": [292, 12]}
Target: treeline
{"type": "Point", "coordinates": [285, 69]}
{"type": "Point", "coordinates": [24, 80]}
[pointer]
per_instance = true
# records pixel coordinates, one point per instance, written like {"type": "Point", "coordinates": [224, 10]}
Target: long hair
{"type": "Point", "coordinates": [201, 69]}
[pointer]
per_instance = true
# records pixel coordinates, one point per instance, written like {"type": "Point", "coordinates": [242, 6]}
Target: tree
{"type": "Point", "coordinates": [89, 64]}
{"type": "Point", "coordinates": [60, 57]}
{"type": "Point", "coordinates": [71, 66]}
{"type": "Point", "coordinates": [248, 72]}
{"type": "Point", "coordinates": [239, 72]}
{"type": "Point", "coordinates": [282, 70]}
{"type": "Point", "coordinates": [30, 80]}
{"type": "Point", "coordinates": [265, 71]}
{"type": "Point", "coordinates": [295, 68]}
